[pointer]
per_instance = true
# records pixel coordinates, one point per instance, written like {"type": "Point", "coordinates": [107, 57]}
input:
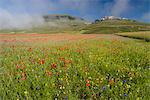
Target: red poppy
{"type": "Point", "coordinates": [62, 49]}
{"type": "Point", "coordinates": [23, 74]}
{"type": "Point", "coordinates": [68, 61]}
{"type": "Point", "coordinates": [87, 84]}
{"type": "Point", "coordinates": [62, 58]}
{"type": "Point", "coordinates": [111, 82]}
{"type": "Point", "coordinates": [39, 62]}
{"type": "Point", "coordinates": [23, 78]}
{"type": "Point", "coordinates": [42, 61]}
{"type": "Point", "coordinates": [54, 65]}
{"type": "Point", "coordinates": [23, 67]}
{"type": "Point", "coordinates": [49, 73]}
{"type": "Point", "coordinates": [87, 81]}
{"type": "Point", "coordinates": [17, 67]}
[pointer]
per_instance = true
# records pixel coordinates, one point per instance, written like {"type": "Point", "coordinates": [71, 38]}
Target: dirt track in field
{"type": "Point", "coordinates": [33, 37]}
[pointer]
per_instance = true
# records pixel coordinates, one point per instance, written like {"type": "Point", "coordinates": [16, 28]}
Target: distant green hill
{"type": "Point", "coordinates": [115, 26]}
{"type": "Point", "coordinates": [59, 23]}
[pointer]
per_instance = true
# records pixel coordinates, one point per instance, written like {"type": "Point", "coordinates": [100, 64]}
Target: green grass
{"type": "Point", "coordinates": [115, 26]}
{"type": "Point", "coordinates": [89, 69]}
{"type": "Point", "coordinates": [137, 35]}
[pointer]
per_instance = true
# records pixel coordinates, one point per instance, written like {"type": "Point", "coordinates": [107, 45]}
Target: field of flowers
{"type": "Point", "coordinates": [88, 69]}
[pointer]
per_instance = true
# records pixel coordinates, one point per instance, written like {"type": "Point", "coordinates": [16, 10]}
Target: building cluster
{"type": "Point", "coordinates": [112, 18]}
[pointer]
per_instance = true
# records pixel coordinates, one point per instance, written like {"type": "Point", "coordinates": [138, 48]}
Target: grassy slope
{"type": "Point", "coordinates": [115, 26]}
{"type": "Point", "coordinates": [138, 35]}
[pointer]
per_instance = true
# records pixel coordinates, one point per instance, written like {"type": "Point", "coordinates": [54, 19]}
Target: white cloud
{"type": "Point", "coordinates": [120, 7]}
{"type": "Point", "coordinates": [28, 13]}
{"type": "Point", "coordinates": [24, 14]}
{"type": "Point", "coordinates": [9, 20]}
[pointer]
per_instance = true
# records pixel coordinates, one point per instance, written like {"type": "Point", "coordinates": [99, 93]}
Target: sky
{"type": "Point", "coordinates": [21, 13]}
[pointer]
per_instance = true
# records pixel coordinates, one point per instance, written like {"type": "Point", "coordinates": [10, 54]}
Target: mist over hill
{"type": "Point", "coordinates": [61, 20]}
{"type": "Point", "coordinates": [43, 24]}
{"type": "Point", "coordinates": [26, 21]}
{"type": "Point", "coordinates": [55, 23]}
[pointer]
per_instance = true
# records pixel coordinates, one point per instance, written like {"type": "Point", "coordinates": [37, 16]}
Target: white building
{"type": "Point", "coordinates": [111, 18]}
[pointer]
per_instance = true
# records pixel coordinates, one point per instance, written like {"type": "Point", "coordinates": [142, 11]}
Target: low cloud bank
{"type": "Point", "coordinates": [9, 20]}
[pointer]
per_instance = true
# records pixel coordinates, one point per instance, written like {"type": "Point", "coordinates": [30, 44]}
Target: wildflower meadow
{"type": "Point", "coordinates": [95, 69]}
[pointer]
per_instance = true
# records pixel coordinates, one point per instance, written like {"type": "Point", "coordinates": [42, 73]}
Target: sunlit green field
{"type": "Point", "coordinates": [138, 35]}
{"type": "Point", "coordinates": [115, 26]}
{"type": "Point", "coordinates": [105, 69]}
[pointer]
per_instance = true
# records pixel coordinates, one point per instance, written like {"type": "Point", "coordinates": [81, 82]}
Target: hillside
{"type": "Point", "coordinates": [60, 23]}
{"type": "Point", "coordinates": [61, 20]}
{"type": "Point", "coordinates": [115, 26]}
{"type": "Point", "coordinates": [53, 24]}
{"type": "Point", "coordinates": [145, 35]}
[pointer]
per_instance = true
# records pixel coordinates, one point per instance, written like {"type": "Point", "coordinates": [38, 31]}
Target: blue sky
{"type": "Point", "coordinates": [88, 9]}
